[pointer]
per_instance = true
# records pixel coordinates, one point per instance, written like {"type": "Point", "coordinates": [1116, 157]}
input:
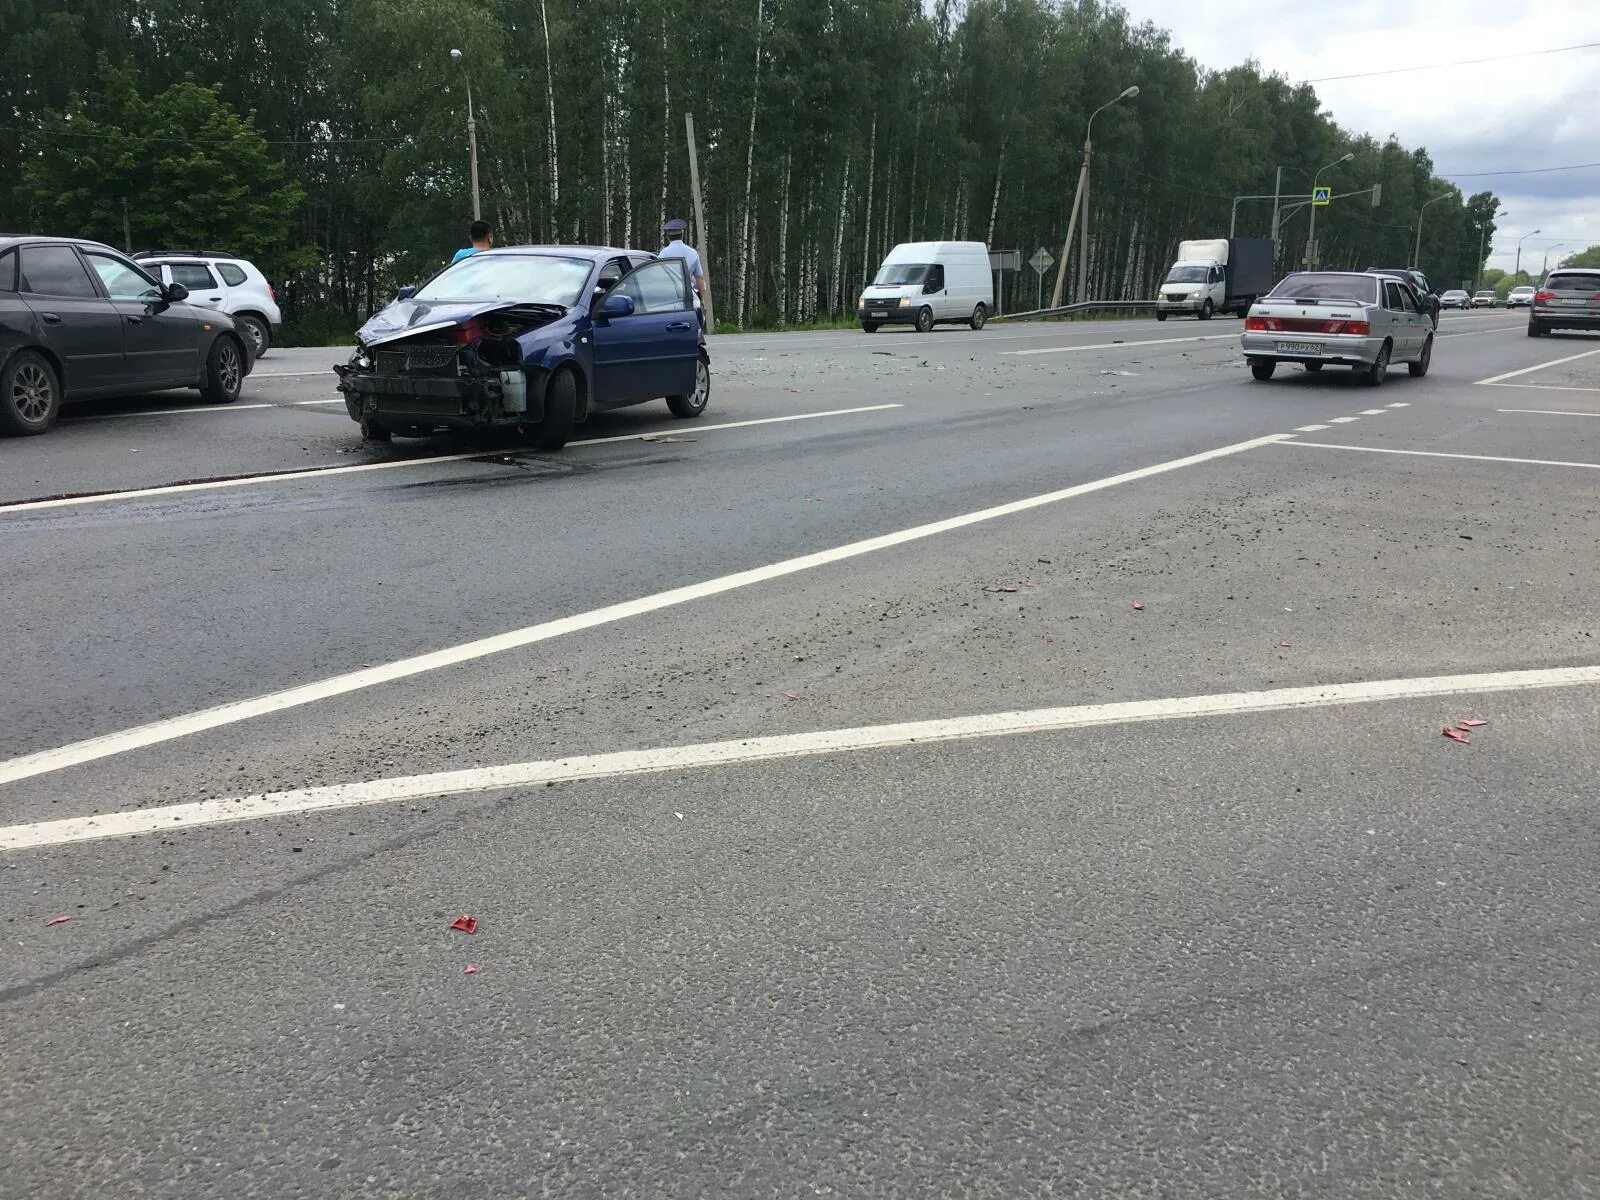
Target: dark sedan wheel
{"type": "Point", "coordinates": [695, 403]}
{"type": "Point", "coordinates": [30, 395]}
{"type": "Point", "coordinates": [560, 412]}
{"type": "Point", "coordinates": [224, 372]}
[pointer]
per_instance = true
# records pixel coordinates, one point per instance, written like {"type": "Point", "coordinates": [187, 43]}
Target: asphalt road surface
{"type": "Point", "coordinates": [987, 764]}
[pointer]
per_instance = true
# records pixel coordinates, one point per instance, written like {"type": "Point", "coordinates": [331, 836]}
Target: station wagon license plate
{"type": "Point", "coordinates": [1571, 300]}
{"type": "Point", "coordinates": [1299, 347]}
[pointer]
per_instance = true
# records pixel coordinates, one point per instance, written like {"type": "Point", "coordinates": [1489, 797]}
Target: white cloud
{"type": "Point", "coordinates": [1508, 115]}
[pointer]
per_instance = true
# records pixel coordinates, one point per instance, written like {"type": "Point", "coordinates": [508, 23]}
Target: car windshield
{"type": "Point", "coordinates": [1574, 281]}
{"type": "Point", "coordinates": [1486, 292]}
{"type": "Point", "coordinates": [1521, 291]}
{"type": "Point", "coordinates": [535, 278]}
{"type": "Point", "coordinates": [900, 274]}
{"type": "Point", "coordinates": [1194, 274]}
{"type": "Point", "coordinates": [1358, 289]}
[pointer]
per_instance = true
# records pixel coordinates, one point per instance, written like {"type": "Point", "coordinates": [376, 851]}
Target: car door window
{"type": "Point", "coordinates": [121, 280]}
{"type": "Point", "coordinates": [8, 271]}
{"type": "Point", "coordinates": [55, 271]}
{"type": "Point", "coordinates": [196, 277]}
{"type": "Point", "coordinates": [935, 279]}
{"type": "Point", "coordinates": [657, 287]}
{"type": "Point", "coordinates": [1392, 301]}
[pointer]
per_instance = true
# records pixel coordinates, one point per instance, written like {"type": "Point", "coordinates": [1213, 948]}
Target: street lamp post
{"type": "Point", "coordinates": [1483, 231]}
{"type": "Point", "coordinates": [1311, 239]}
{"type": "Point", "coordinates": [1520, 240]}
{"type": "Point", "coordinates": [1080, 205]}
{"type": "Point", "coordinates": [472, 137]}
{"type": "Point", "coordinates": [1416, 254]}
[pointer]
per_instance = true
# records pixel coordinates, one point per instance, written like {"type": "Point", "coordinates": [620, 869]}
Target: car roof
{"type": "Point", "coordinates": [595, 253]}
{"type": "Point", "coordinates": [145, 255]}
{"type": "Point", "coordinates": [13, 239]}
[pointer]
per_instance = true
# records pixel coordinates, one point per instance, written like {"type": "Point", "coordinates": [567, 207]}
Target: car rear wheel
{"type": "Point", "coordinates": [1375, 374]}
{"type": "Point", "coordinates": [30, 395]}
{"type": "Point", "coordinates": [1537, 330]}
{"type": "Point", "coordinates": [1263, 370]}
{"type": "Point", "coordinates": [259, 333]}
{"type": "Point", "coordinates": [560, 411]}
{"type": "Point", "coordinates": [695, 403]}
{"type": "Point", "coordinates": [375, 431]}
{"type": "Point", "coordinates": [980, 317]}
{"type": "Point", "coordinates": [1420, 368]}
{"type": "Point", "coordinates": [1313, 367]}
{"type": "Point", "coordinates": [224, 371]}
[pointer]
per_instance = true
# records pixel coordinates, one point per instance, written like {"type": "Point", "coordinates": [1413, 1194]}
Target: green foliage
{"type": "Point", "coordinates": [875, 121]}
{"type": "Point", "coordinates": [179, 169]}
{"type": "Point", "coordinates": [1583, 258]}
{"type": "Point", "coordinates": [1503, 285]}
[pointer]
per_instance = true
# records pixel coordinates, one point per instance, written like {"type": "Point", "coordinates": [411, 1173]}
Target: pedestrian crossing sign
{"type": "Point", "coordinates": [1320, 196]}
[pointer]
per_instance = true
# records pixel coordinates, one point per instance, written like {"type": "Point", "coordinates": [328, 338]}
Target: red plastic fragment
{"type": "Point", "coordinates": [1472, 723]}
{"type": "Point", "coordinates": [1137, 607]}
{"type": "Point", "coordinates": [57, 920]}
{"type": "Point", "coordinates": [472, 969]}
{"type": "Point", "coordinates": [1455, 735]}
{"type": "Point", "coordinates": [1008, 589]}
{"type": "Point", "coordinates": [465, 924]}
{"type": "Point", "coordinates": [1284, 645]}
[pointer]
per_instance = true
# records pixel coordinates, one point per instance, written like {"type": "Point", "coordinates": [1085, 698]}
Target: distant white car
{"type": "Point", "coordinates": [1520, 297]}
{"type": "Point", "coordinates": [224, 282]}
{"type": "Point", "coordinates": [1484, 299]}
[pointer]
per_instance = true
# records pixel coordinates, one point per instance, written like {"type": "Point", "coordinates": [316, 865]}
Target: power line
{"type": "Point", "coordinates": [1465, 62]}
{"type": "Point", "coordinates": [1525, 171]}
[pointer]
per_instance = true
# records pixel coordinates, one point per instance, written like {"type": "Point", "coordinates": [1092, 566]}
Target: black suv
{"type": "Point", "coordinates": [1419, 281]}
{"type": "Point", "coordinates": [79, 319]}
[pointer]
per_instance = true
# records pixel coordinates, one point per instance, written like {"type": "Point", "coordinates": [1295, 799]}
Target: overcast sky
{"type": "Point", "coordinates": [1519, 113]}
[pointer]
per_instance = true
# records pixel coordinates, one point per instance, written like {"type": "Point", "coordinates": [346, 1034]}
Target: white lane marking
{"type": "Point", "coordinates": [45, 761]}
{"type": "Point", "coordinates": [1210, 337]}
{"type": "Point", "coordinates": [130, 414]}
{"type": "Point", "coordinates": [287, 374]}
{"type": "Point", "coordinates": [1543, 387]}
{"type": "Point", "coordinates": [1548, 412]}
{"type": "Point", "coordinates": [1531, 462]}
{"type": "Point", "coordinates": [1401, 404]}
{"type": "Point", "coordinates": [167, 818]}
{"type": "Point", "coordinates": [1480, 332]}
{"type": "Point", "coordinates": [1555, 362]}
{"type": "Point", "coordinates": [1372, 412]}
{"type": "Point", "coordinates": [307, 403]}
{"type": "Point", "coordinates": [1312, 428]}
{"type": "Point", "coordinates": [1343, 420]}
{"type": "Point", "coordinates": [173, 489]}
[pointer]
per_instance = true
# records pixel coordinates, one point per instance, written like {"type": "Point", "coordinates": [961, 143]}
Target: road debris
{"type": "Point", "coordinates": [465, 924]}
{"type": "Point", "coordinates": [57, 920]}
{"type": "Point", "coordinates": [1284, 645]}
{"type": "Point", "coordinates": [796, 391]}
{"type": "Point", "coordinates": [663, 437]}
{"type": "Point", "coordinates": [1137, 607]}
{"type": "Point", "coordinates": [1455, 735]}
{"type": "Point", "coordinates": [1471, 723]}
{"type": "Point", "coordinates": [471, 969]}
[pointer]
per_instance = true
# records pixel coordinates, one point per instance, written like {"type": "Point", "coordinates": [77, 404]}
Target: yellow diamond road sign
{"type": "Point", "coordinates": [1320, 196]}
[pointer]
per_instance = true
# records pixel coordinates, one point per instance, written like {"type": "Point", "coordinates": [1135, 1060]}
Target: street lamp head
{"type": "Point", "coordinates": [1129, 93]}
{"type": "Point", "coordinates": [1348, 157]}
{"type": "Point", "coordinates": [456, 54]}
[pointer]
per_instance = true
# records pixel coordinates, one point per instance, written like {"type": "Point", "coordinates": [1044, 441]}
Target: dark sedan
{"type": "Point", "coordinates": [1419, 283]}
{"type": "Point", "coordinates": [79, 320]}
{"type": "Point", "coordinates": [530, 338]}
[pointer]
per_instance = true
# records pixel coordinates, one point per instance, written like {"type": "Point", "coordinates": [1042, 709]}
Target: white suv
{"type": "Point", "coordinates": [220, 281]}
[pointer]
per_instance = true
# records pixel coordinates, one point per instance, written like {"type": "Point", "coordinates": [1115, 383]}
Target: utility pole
{"type": "Point", "coordinates": [702, 236]}
{"type": "Point", "coordinates": [1277, 198]}
{"type": "Point", "coordinates": [1080, 206]}
{"type": "Point", "coordinates": [1416, 254]}
{"type": "Point", "coordinates": [127, 238]}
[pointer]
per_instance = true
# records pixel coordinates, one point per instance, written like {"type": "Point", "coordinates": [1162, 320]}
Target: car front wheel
{"type": "Point", "coordinates": [560, 412]}
{"type": "Point", "coordinates": [224, 371]}
{"type": "Point", "coordinates": [924, 320]}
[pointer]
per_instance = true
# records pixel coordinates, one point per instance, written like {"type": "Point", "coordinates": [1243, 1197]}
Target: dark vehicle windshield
{"type": "Point", "coordinates": [900, 274]}
{"type": "Point", "coordinates": [1358, 289]}
{"type": "Point", "coordinates": [1574, 281]}
{"type": "Point", "coordinates": [1186, 275]}
{"type": "Point", "coordinates": [535, 278]}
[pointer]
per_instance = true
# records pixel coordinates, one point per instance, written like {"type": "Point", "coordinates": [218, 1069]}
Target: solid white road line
{"type": "Point", "coordinates": [1548, 412]}
{"type": "Point", "coordinates": [319, 472]}
{"type": "Point", "coordinates": [1555, 362]}
{"type": "Point", "coordinates": [1531, 462]}
{"type": "Point", "coordinates": [163, 412]}
{"type": "Point", "coordinates": [1542, 387]}
{"type": "Point", "coordinates": [45, 761]}
{"type": "Point", "coordinates": [1480, 332]}
{"type": "Point", "coordinates": [171, 817]}
{"type": "Point", "coordinates": [1210, 337]}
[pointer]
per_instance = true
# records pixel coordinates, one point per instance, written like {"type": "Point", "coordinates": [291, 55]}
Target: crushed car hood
{"type": "Point", "coordinates": [406, 318]}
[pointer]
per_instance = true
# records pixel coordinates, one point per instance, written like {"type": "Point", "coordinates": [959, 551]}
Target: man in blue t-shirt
{"type": "Point", "coordinates": [482, 238]}
{"type": "Point", "coordinates": [676, 247]}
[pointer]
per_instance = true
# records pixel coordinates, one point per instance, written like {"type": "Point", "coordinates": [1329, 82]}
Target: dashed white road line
{"type": "Point", "coordinates": [174, 489]}
{"type": "Point", "coordinates": [44, 761]}
{"type": "Point", "coordinates": [1531, 462]}
{"type": "Point", "coordinates": [1548, 412]}
{"type": "Point", "coordinates": [1209, 337]}
{"type": "Point", "coordinates": [1401, 404]}
{"type": "Point", "coordinates": [167, 818]}
{"type": "Point", "coordinates": [1312, 428]}
{"type": "Point", "coordinates": [1342, 420]}
{"type": "Point", "coordinates": [1555, 362]}
{"type": "Point", "coordinates": [1372, 412]}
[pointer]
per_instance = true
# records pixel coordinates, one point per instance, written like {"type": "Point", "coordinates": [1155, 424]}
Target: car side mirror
{"type": "Point", "coordinates": [174, 292]}
{"type": "Point", "coordinates": [617, 305]}
{"type": "Point", "coordinates": [406, 292]}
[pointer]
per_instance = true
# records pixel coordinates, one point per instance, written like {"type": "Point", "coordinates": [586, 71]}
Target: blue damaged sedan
{"type": "Point", "coordinates": [530, 338]}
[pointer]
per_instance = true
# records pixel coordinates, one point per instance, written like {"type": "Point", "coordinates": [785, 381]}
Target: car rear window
{"type": "Point", "coordinates": [8, 271]}
{"type": "Point", "coordinates": [1359, 289]}
{"type": "Point", "coordinates": [1574, 281]}
{"type": "Point", "coordinates": [194, 276]}
{"type": "Point", "coordinates": [231, 274]}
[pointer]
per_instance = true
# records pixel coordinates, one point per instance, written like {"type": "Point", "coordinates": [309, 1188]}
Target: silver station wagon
{"type": "Point", "coordinates": [1318, 318]}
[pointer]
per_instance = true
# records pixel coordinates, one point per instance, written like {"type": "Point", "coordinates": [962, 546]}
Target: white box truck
{"type": "Point", "coordinates": [924, 284]}
{"type": "Point", "coordinates": [1215, 275]}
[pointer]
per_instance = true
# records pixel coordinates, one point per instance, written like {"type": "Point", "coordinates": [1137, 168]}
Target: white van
{"type": "Point", "coordinates": [924, 283]}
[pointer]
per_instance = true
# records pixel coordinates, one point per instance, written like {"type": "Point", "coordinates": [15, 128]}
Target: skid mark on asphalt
{"type": "Point", "coordinates": [45, 761]}
{"type": "Point", "coordinates": [230, 809]}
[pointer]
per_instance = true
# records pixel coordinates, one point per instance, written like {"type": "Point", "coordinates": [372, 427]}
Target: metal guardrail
{"type": "Point", "coordinates": [1081, 306]}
